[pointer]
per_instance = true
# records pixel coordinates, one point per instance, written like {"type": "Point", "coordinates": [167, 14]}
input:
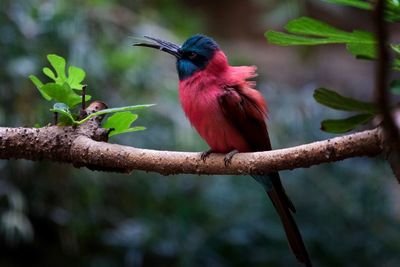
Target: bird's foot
{"type": "Point", "coordinates": [204, 155]}
{"type": "Point", "coordinates": [228, 157]}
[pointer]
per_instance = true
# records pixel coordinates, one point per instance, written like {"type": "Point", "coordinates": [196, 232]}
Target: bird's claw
{"type": "Point", "coordinates": [228, 157]}
{"type": "Point", "coordinates": [204, 155]}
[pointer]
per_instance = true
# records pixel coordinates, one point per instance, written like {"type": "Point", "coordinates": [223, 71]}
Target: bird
{"type": "Point", "coordinates": [229, 113]}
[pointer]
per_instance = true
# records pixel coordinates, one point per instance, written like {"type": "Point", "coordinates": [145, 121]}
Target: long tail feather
{"type": "Point", "coordinates": [273, 186]}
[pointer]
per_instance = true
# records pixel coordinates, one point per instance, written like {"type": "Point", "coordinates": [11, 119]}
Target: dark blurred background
{"type": "Point", "coordinates": [55, 215]}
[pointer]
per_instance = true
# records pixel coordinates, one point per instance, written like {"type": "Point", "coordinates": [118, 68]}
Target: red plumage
{"type": "Point", "coordinates": [201, 94]}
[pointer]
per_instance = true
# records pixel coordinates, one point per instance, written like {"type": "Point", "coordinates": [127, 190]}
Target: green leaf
{"type": "Point", "coordinates": [345, 125]}
{"type": "Point", "coordinates": [49, 73]}
{"type": "Point", "coordinates": [120, 120]}
{"type": "Point", "coordinates": [61, 90]}
{"type": "Point", "coordinates": [359, 50]}
{"type": "Point", "coordinates": [309, 26]}
{"type": "Point", "coordinates": [120, 123]}
{"type": "Point", "coordinates": [75, 77]}
{"type": "Point", "coordinates": [353, 3]}
{"type": "Point", "coordinates": [35, 80]}
{"type": "Point", "coordinates": [308, 31]}
{"type": "Point", "coordinates": [285, 39]}
{"type": "Point", "coordinates": [336, 101]}
{"type": "Point", "coordinates": [63, 93]}
{"type": "Point", "coordinates": [63, 110]}
{"type": "Point", "coordinates": [395, 87]}
{"type": "Point", "coordinates": [58, 63]}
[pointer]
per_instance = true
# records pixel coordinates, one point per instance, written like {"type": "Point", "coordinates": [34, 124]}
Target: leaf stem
{"type": "Point", "coordinates": [112, 110]}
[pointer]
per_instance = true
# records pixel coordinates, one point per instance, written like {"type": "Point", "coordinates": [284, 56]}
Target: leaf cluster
{"type": "Point", "coordinates": [63, 90]}
{"type": "Point", "coordinates": [361, 44]}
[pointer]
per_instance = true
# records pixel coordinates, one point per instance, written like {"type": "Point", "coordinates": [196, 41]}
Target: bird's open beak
{"type": "Point", "coordinates": [165, 46]}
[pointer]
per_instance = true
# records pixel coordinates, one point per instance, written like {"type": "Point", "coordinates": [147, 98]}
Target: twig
{"type": "Point", "coordinates": [83, 112]}
{"type": "Point", "coordinates": [84, 97]}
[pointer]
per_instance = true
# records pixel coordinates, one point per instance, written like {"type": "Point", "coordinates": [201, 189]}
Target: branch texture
{"type": "Point", "coordinates": [84, 146]}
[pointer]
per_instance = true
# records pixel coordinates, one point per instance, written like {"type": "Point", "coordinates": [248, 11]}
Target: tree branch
{"type": "Point", "coordinates": [84, 146]}
{"type": "Point", "coordinates": [391, 131]}
{"type": "Point", "coordinates": [382, 71]}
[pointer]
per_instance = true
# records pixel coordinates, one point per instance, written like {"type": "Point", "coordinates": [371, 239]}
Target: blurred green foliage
{"type": "Point", "coordinates": [366, 111]}
{"type": "Point", "coordinates": [309, 31]}
{"type": "Point", "coordinates": [361, 44]}
{"type": "Point", "coordinates": [392, 10]}
{"type": "Point", "coordinates": [55, 215]}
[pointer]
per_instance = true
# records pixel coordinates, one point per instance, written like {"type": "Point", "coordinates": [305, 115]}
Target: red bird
{"type": "Point", "coordinates": [229, 114]}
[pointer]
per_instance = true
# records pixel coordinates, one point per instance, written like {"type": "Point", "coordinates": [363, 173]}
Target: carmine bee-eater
{"type": "Point", "coordinates": [229, 114]}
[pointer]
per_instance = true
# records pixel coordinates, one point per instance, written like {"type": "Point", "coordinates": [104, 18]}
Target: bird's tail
{"type": "Point", "coordinates": [274, 188]}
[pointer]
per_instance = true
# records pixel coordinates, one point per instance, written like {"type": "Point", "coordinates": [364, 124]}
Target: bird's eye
{"type": "Point", "coordinates": [192, 55]}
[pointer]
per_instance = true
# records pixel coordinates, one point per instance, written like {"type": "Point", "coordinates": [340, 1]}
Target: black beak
{"type": "Point", "coordinates": [165, 46]}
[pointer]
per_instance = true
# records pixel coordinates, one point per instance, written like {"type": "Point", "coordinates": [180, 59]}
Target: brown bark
{"type": "Point", "coordinates": [84, 146]}
{"type": "Point", "coordinates": [389, 126]}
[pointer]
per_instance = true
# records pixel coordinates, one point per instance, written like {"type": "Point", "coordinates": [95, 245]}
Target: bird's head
{"type": "Point", "coordinates": [194, 55]}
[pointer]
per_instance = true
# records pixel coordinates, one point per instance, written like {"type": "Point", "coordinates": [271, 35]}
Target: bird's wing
{"type": "Point", "coordinates": [244, 110]}
{"type": "Point", "coordinates": [246, 114]}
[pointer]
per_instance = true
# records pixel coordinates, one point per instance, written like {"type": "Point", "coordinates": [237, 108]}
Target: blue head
{"type": "Point", "coordinates": [196, 52]}
{"type": "Point", "coordinates": [194, 55]}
